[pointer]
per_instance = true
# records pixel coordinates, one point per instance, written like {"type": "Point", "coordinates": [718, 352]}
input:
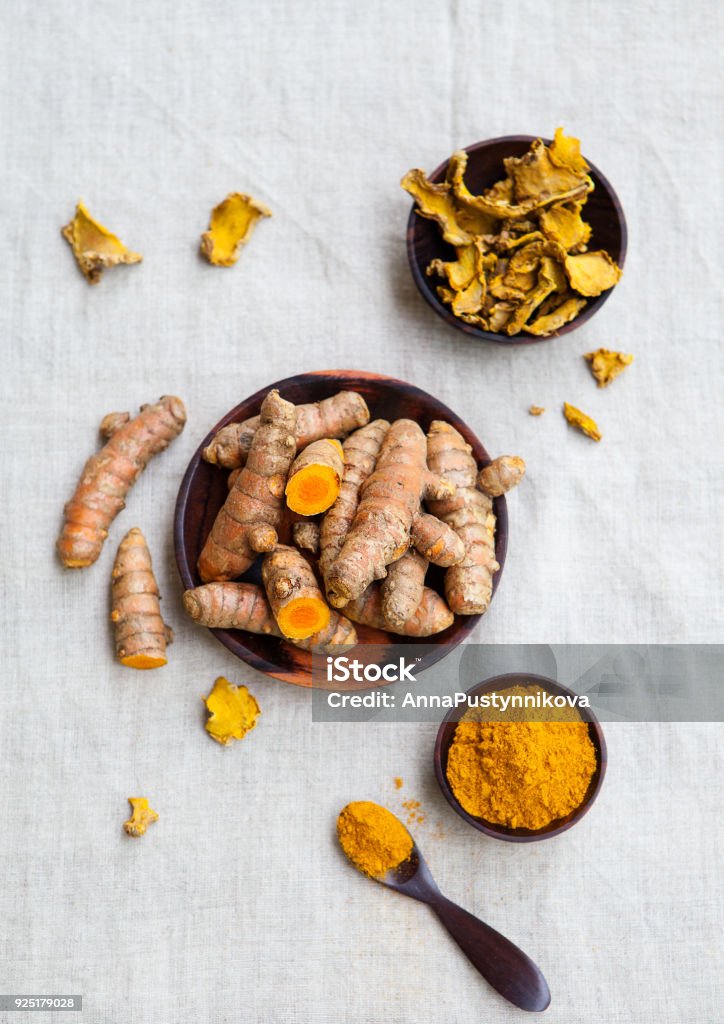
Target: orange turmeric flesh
{"type": "Point", "coordinates": [315, 477]}
{"type": "Point", "coordinates": [313, 490]}
{"type": "Point", "coordinates": [144, 661]}
{"type": "Point", "coordinates": [301, 618]}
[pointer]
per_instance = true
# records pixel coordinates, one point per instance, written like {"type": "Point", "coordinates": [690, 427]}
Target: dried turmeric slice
{"type": "Point", "coordinates": [536, 410]}
{"type": "Point", "coordinates": [536, 177]}
{"type": "Point", "coordinates": [584, 423]}
{"type": "Point", "coordinates": [315, 477]}
{"type": "Point", "coordinates": [565, 151]}
{"type": "Point", "coordinates": [142, 816]}
{"type": "Point", "coordinates": [606, 365]}
{"type": "Point", "coordinates": [591, 273]}
{"type": "Point", "coordinates": [551, 322]}
{"type": "Point", "coordinates": [436, 202]}
{"type": "Point", "coordinates": [562, 223]}
{"type": "Point", "coordinates": [95, 247]}
{"type": "Point", "coordinates": [459, 272]}
{"type": "Point", "coordinates": [231, 226]}
{"type": "Point", "coordinates": [233, 712]}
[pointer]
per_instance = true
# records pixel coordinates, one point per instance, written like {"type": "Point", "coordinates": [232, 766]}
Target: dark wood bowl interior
{"type": "Point", "coordinates": [445, 737]}
{"type": "Point", "coordinates": [603, 212]}
{"type": "Point", "coordinates": [204, 488]}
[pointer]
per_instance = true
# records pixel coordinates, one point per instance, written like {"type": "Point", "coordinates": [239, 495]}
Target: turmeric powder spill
{"type": "Point", "coordinates": [521, 772]}
{"type": "Point", "coordinates": [373, 838]}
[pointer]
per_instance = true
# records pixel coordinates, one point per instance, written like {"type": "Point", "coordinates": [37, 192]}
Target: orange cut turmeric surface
{"type": "Point", "coordinates": [233, 712]}
{"type": "Point", "coordinates": [524, 771]}
{"type": "Point", "coordinates": [315, 477]}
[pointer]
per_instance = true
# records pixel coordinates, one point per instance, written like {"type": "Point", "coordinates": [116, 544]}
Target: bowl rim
{"type": "Point", "coordinates": [442, 746]}
{"type": "Point", "coordinates": [429, 295]}
{"type": "Point", "coordinates": [336, 377]}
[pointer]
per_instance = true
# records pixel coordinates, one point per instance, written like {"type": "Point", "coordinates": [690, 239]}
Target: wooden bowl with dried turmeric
{"type": "Point", "coordinates": [242, 590]}
{"type": "Point", "coordinates": [516, 239]}
{"type": "Point", "coordinates": [526, 767]}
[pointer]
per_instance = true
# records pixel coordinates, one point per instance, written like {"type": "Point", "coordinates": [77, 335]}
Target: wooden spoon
{"type": "Point", "coordinates": [503, 965]}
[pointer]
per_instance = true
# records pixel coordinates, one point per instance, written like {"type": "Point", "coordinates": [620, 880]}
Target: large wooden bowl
{"type": "Point", "coordinates": [204, 489]}
{"type": "Point", "coordinates": [603, 212]}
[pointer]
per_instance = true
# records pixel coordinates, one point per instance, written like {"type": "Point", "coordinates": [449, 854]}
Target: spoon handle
{"type": "Point", "coordinates": [503, 965]}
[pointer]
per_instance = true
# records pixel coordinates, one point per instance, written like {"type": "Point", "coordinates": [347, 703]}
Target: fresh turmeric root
{"type": "Point", "coordinates": [141, 634]}
{"type": "Point", "coordinates": [245, 606]}
{"type": "Point", "coordinates": [469, 584]}
{"type": "Point", "coordinates": [332, 417]}
{"type": "Point", "coordinates": [248, 521]}
{"type": "Point", "coordinates": [501, 475]}
{"type": "Point", "coordinates": [402, 589]}
{"type": "Point", "coordinates": [109, 474]}
{"type": "Point", "coordinates": [360, 455]}
{"type": "Point", "coordinates": [231, 606]}
{"type": "Point", "coordinates": [294, 595]}
{"type": "Point", "coordinates": [389, 505]}
{"type": "Point", "coordinates": [315, 477]}
{"type": "Point", "coordinates": [431, 616]}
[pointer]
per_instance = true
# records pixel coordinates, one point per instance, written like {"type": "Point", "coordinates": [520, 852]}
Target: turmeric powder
{"type": "Point", "coordinates": [373, 838]}
{"type": "Point", "coordinates": [521, 772]}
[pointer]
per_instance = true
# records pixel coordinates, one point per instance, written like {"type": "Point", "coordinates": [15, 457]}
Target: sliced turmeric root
{"type": "Point", "coordinates": [294, 595]}
{"type": "Point", "coordinates": [315, 478]}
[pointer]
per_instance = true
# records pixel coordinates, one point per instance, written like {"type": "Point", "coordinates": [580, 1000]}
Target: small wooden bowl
{"type": "Point", "coordinates": [444, 740]}
{"type": "Point", "coordinates": [603, 212]}
{"type": "Point", "coordinates": [204, 489]}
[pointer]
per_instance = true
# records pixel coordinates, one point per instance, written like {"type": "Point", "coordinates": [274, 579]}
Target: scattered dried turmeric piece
{"type": "Point", "coordinates": [141, 817]}
{"type": "Point", "coordinates": [536, 410]}
{"type": "Point", "coordinates": [606, 365]}
{"type": "Point", "coordinates": [233, 712]}
{"type": "Point", "coordinates": [584, 423]}
{"type": "Point", "coordinates": [231, 226]}
{"type": "Point", "coordinates": [95, 247]}
{"type": "Point", "coordinates": [398, 782]}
